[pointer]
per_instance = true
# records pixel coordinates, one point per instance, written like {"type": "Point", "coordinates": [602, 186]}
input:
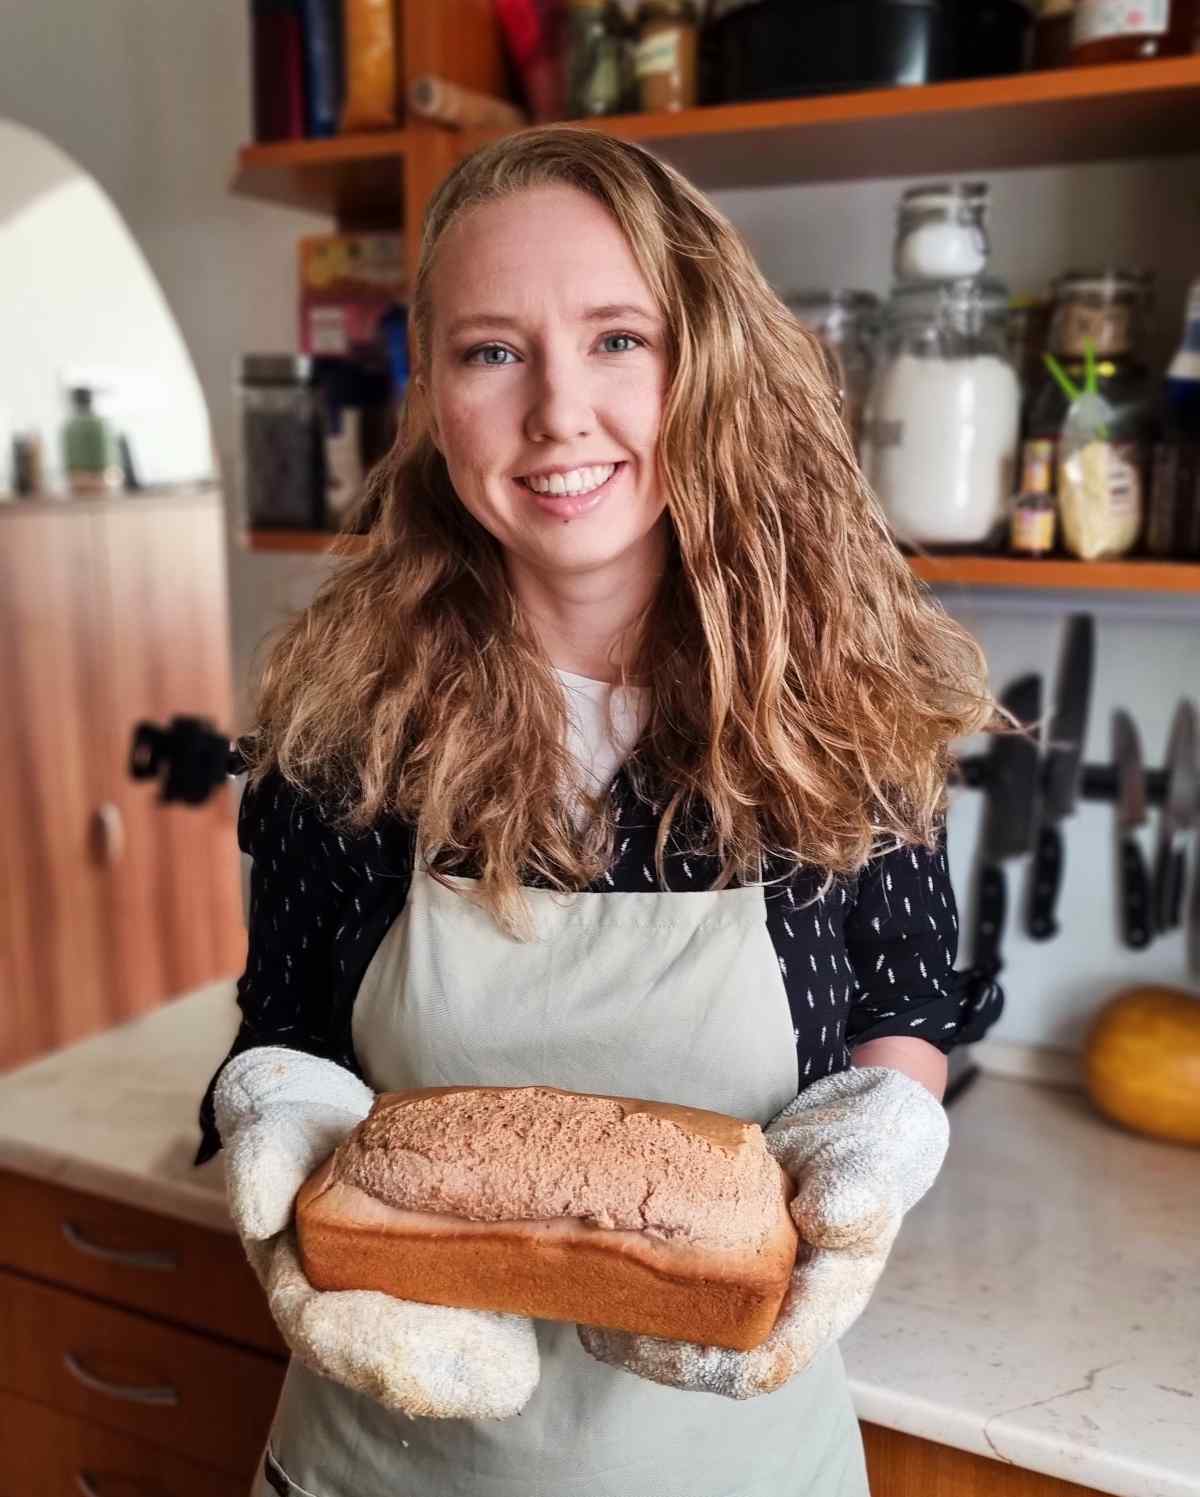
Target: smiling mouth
{"type": "Point", "coordinates": [566, 506]}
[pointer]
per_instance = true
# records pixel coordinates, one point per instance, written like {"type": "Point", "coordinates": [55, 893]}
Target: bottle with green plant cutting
{"type": "Point", "coordinates": [1099, 490]}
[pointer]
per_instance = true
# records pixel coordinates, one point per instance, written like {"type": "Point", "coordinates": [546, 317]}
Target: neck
{"type": "Point", "coordinates": [586, 621]}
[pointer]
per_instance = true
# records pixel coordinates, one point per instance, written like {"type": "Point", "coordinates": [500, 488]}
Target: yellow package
{"type": "Point", "coordinates": [371, 31]}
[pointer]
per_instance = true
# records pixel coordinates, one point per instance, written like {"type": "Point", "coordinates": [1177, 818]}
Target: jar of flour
{"type": "Point", "coordinates": [942, 417]}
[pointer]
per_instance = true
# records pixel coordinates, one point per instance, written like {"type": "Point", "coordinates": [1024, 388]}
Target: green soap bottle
{"type": "Point", "coordinates": [91, 456]}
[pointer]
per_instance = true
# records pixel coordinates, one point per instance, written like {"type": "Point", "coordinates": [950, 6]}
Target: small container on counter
{"type": "Point", "coordinates": [993, 37]}
{"type": "Point", "coordinates": [666, 56]}
{"type": "Point", "coordinates": [940, 233]}
{"type": "Point", "coordinates": [1128, 30]}
{"type": "Point", "coordinates": [777, 49]}
{"type": "Point", "coordinates": [594, 58]}
{"type": "Point", "coordinates": [847, 323]}
{"type": "Point", "coordinates": [283, 457]}
{"type": "Point", "coordinates": [942, 419]}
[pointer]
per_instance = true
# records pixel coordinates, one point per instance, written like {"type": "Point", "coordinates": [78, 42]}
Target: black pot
{"type": "Point", "coordinates": [775, 49]}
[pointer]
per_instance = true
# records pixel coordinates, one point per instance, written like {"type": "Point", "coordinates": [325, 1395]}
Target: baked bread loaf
{"type": "Point", "coordinates": [610, 1211]}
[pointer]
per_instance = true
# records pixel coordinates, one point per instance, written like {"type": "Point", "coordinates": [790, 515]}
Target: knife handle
{"type": "Point", "coordinates": [1173, 899]}
{"type": "Point", "coordinates": [989, 922]}
{"type": "Point", "coordinates": [1135, 895]}
{"type": "Point", "coordinates": [1047, 879]}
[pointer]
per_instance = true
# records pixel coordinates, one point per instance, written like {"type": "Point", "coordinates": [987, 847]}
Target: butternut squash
{"type": "Point", "coordinates": [1142, 1062]}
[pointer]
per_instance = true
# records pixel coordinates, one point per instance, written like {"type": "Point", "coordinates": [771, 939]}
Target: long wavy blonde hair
{"type": "Point", "coordinates": [804, 685]}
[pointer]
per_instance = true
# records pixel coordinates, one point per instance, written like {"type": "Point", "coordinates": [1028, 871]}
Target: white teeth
{"type": "Point", "coordinates": [577, 481]}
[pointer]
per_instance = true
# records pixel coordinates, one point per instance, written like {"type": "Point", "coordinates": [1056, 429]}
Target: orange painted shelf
{"type": "Point", "coordinates": [1027, 119]}
{"type": "Point", "coordinates": [1138, 575]}
{"type": "Point", "coordinates": [1144, 575]}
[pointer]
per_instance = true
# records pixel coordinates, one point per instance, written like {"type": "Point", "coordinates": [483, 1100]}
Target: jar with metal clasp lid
{"type": "Point", "coordinates": [943, 415]}
{"type": "Point", "coordinates": [847, 323]}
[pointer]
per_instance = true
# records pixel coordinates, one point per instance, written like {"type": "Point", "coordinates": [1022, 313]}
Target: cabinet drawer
{"type": "Point", "coordinates": [203, 1399]}
{"type": "Point", "coordinates": [166, 1267]}
{"type": "Point", "coordinates": [48, 1454]}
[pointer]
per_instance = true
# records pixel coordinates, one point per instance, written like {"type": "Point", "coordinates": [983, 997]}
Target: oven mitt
{"type": "Point", "coordinates": [863, 1146]}
{"type": "Point", "coordinates": [281, 1113]}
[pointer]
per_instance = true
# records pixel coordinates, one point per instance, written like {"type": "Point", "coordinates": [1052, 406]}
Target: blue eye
{"type": "Point", "coordinates": [485, 348]}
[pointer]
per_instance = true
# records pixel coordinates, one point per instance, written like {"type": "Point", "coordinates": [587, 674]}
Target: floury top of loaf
{"type": "Point", "coordinates": [528, 1153]}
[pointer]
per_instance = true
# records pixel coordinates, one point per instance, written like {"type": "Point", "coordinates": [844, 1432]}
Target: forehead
{"type": "Point", "coordinates": [546, 248]}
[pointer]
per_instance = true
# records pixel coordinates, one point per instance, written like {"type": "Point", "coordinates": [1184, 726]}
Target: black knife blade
{"type": "Point", "coordinates": [1133, 876]}
{"type": "Point", "coordinates": [1176, 817]}
{"type": "Point", "coordinates": [1010, 812]}
{"type": "Point", "coordinates": [1062, 771]}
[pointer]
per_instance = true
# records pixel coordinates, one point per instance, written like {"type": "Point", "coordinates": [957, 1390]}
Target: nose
{"type": "Point", "coordinates": [561, 404]}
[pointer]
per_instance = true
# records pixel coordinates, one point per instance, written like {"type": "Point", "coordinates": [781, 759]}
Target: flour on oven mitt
{"type": "Point", "coordinates": [863, 1146]}
{"type": "Point", "coordinates": [280, 1114]}
{"type": "Point", "coordinates": [428, 1361]}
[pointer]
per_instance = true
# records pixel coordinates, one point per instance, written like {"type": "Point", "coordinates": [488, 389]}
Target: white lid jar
{"type": "Point", "coordinates": [940, 232]}
{"type": "Point", "coordinates": [942, 419]}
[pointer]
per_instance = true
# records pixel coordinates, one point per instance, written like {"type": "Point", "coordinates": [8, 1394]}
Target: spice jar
{"type": "Point", "coordinates": [666, 54]}
{"type": "Point", "coordinates": [847, 323]}
{"type": "Point", "coordinates": [1126, 30]}
{"type": "Point", "coordinates": [283, 460]}
{"type": "Point", "coordinates": [1034, 519]}
{"type": "Point", "coordinates": [942, 418]}
{"type": "Point", "coordinates": [940, 232]}
{"type": "Point", "coordinates": [592, 54]}
{"type": "Point", "coordinates": [1052, 34]}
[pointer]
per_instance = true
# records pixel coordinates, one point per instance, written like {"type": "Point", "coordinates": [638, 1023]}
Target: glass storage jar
{"type": "Point", "coordinates": [847, 323]}
{"type": "Point", "coordinates": [940, 232]}
{"type": "Point", "coordinates": [667, 54]}
{"type": "Point", "coordinates": [942, 419]}
{"type": "Point", "coordinates": [283, 458]}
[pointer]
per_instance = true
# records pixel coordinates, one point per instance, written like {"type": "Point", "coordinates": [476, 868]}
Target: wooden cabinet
{"type": "Point", "coordinates": [903, 1466]}
{"type": "Point", "coordinates": [136, 1351]}
{"type": "Point", "coordinates": [111, 612]}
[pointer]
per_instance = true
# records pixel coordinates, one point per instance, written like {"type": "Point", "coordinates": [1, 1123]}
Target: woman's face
{"type": "Point", "coordinates": [548, 357]}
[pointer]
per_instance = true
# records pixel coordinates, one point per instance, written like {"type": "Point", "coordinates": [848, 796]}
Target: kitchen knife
{"type": "Point", "coordinates": [1176, 818]}
{"type": "Point", "coordinates": [1133, 878]}
{"type": "Point", "coordinates": [1062, 771]}
{"type": "Point", "coordinates": [1010, 814]}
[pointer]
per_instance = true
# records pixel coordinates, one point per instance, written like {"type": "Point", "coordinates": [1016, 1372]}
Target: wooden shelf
{"type": "Point", "coordinates": [1140, 575]}
{"type": "Point", "coordinates": [1027, 119]}
{"type": "Point", "coordinates": [1136, 575]}
{"type": "Point", "coordinates": [358, 179]}
{"type": "Point", "coordinates": [287, 540]}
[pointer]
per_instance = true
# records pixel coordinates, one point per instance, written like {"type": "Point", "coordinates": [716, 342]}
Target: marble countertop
{"type": "Point", "coordinates": [1041, 1306]}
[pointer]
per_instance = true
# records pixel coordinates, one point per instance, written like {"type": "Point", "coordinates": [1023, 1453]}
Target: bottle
{"type": "Point", "coordinates": [1104, 308]}
{"type": "Point", "coordinates": [593, 58]}
{"type": "Point", "coordinates": [1127, 30]}
{"type": "Point", "coordinates": [1052, 34]}
{"type": "Point", "coordinates": [667, 54]}
{"type": "Point", "coordinates": [1034, 519]}
{"type": "Point", "coordinates": [91, 456]}
{"type": "Point", "coordinates": [1173, 528]}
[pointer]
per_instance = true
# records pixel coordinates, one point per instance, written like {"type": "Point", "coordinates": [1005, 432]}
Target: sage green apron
{"type": "Point", "coordinates": [665, 996]}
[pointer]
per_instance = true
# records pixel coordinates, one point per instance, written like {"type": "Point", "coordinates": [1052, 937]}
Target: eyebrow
{"type": "Point", "coordinates": [589, 314]}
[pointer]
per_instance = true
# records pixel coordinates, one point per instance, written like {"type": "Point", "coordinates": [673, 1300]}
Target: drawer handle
{"type": "Point", "coordinates": [125, 1256]}
{"type": "Point", "coordinates": [166, 1395]}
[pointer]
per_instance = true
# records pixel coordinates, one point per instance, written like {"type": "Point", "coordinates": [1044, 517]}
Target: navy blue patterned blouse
{"type": "Point", "coordinates": [875, 956]}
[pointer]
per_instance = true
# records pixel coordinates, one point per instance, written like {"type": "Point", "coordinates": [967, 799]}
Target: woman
{"type": "Point", "coordinates": [616, 762]}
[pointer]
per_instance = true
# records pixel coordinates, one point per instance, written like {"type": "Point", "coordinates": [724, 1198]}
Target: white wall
{"type": "Point", "coordinates": [153, 101]}
{"type": "Point", "coordinates": [98, 319]}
